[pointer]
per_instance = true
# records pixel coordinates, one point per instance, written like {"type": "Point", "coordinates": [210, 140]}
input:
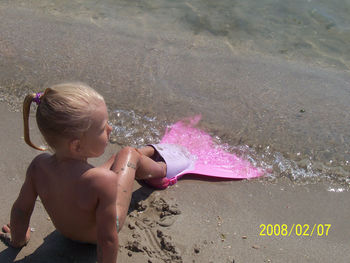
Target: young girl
{"type": "Point", "coordinates": [85, 203]}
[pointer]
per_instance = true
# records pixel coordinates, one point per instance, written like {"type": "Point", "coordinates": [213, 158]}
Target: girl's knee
{"type": "Point", "coordinates": [126, 156]}
{"type": "Point", "coordinates": [127, 151]}
{"type": "Point", "coordinates": [147, 150]}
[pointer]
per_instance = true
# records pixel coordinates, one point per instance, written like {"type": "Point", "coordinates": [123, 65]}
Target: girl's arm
{"type": "Point", "coordinates": [21, 212]}
{"type": "Point", "coordinates": [106, 216]}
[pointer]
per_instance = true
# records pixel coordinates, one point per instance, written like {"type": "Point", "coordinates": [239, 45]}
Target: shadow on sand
{"type": "Point", "coordinates": [55, 248]}
{"type": "Point", "coordinates": [58, 249]}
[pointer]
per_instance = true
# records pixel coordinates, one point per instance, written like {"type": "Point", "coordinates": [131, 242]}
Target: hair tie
{"type": "Point", "coordinates": [37, 98]}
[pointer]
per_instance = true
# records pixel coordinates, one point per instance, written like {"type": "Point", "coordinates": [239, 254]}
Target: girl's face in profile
{"type": "Point", "coordinates": [96, 139]}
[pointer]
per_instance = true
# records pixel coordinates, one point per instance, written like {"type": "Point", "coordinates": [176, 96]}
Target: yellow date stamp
{"type": "Point", "coordinates": [285, 230]}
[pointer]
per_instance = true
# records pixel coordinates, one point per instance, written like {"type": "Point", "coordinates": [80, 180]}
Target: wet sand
{"type": "Point", "coordinates": [193, 221]}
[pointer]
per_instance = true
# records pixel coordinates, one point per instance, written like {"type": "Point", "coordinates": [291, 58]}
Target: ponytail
{"type": "Point", "coordinates": [64, 112]}
{"type": "Point", "coordinates": [26, 109]}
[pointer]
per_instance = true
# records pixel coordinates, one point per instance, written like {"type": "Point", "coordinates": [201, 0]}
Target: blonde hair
{"type": "Point", "coordinates": [64, 111]}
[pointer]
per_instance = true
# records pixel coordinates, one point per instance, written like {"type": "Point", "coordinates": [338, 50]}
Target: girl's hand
{"type": "Point", "coordinates": [5, 235]}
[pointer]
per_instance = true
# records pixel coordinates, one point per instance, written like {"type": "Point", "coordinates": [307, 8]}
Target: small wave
{"type": "Point", "coordinates": [132, 128]}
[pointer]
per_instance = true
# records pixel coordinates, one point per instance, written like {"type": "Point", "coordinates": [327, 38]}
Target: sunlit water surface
{"type": "Point", "coordinates": [303, 134]}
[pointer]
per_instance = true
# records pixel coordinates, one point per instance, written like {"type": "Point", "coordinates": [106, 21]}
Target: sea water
{"type": "Point", "coordinates": [316, 31]}
{"type": "Point", "coordinates": [270, 78]}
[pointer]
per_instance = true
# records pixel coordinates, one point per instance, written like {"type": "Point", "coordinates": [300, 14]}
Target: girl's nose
{"type": "Point", "coordinates": [109, 128]}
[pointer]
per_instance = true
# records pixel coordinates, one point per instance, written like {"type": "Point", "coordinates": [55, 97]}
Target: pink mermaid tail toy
{"type": "Point", "coordinates": [189, 150]}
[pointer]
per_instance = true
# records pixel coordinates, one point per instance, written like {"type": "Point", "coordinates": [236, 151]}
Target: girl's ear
{"type": "Point", "coordinates": [75, 146]}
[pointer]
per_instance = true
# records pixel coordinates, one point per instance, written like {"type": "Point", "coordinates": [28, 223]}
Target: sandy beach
{"type": "Point", "coordinates": [299, 111]}
{"type": "Point", "coordinates": [192, 221]}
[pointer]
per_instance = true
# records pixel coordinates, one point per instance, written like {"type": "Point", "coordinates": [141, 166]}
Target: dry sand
{"type": "Point", "coordinates": [193, 221]}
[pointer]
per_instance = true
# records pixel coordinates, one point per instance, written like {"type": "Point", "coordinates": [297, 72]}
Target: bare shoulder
{"type": "Point", "coordinates": [41, 157]}
{"type": "Point", "coordinates": [102, 180]}
{"type": "Point", "coordinates": [37, 162]}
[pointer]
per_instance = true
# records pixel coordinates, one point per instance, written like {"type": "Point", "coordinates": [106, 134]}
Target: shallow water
{"type": "Point", "coordinates": [130, 128]}
{"type": "Point", "coordinates": [309, 30]}
{"type": "Point", "coordinates": [270, 78]}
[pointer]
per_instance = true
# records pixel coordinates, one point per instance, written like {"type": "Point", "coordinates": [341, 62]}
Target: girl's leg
{"type": "Point", "coordinates": [147, 150]}
{"type": "Point", "coordinates": [149, 168]}
{"type": "Point", "coordinates": [125, 166]}
{"type": "Point", "coordinates": [130, 163]}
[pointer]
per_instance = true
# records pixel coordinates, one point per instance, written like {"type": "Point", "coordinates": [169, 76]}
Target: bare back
{"type": "Point", "coordinates": [68, 193]}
